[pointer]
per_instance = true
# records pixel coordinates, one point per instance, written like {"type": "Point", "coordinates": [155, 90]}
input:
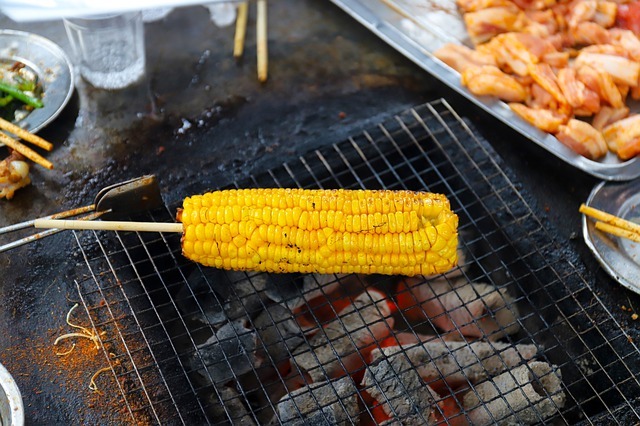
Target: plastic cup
{"type": "Point", "coordinates": [108, 49]}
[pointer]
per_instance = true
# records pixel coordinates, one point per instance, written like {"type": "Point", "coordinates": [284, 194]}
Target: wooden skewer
{"type": "Point", "coordinates": [612, 224]}
{"type": "Point", "coordinates": [25, 135]}
{"type": "Point", "coordinates": [261, 34]}
{"type": "Point", "coordinates": [105, 225]}
{"type": "Point", "coordinates": [241, 29]}
{"type": "Point", "coordinates": [618, 232]}
{"type": "Point", "coordinates": [26, 151]}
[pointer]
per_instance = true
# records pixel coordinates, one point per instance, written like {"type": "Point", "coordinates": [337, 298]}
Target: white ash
{"type": "Point", "coordinates": [214, 296]}
{"type": "Point", "coordinates": [334, 350]}
{"type": "Point", "coordinates": [328, 403]}
{"type": "Point", "coordinates": [457, 363]}
{"type": "Point", "coordinates": [279, 334]}
{"type": "Point", "coordinates": [401, 392]}
{"type": "Point", "coordinates": [471, 309]}
{"type": "Point", "coordinates": [227, 354]}
{"type": "Point", "coordinates": [528, 394]}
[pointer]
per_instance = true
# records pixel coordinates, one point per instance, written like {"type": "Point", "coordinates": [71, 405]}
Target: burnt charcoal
{"type": "Point", "coordinates": [278, 332]}
{"type": "Point", "coordinates": [282, 287]}
{"type": "Point", "coordinates": [294, 290]}
{"type": "Point", "coordinates": [341, 346]}
{"type": "Point", "coordinates": [328, 403]}
{"type": "Point", "coordinates": [457, 363]}
{"type": "Point", "coordinates": [469, 309]}
{"type": "Point", "coordinates": [213, 296]}
{"type": "Point", "coordinates": [227, 407]}
{"type": "Point", "coordinates": [528, 394]}
{"type": "Point", "coordinates": [400, 391]}
{"type": "Point", "coordinates": [227, 354]}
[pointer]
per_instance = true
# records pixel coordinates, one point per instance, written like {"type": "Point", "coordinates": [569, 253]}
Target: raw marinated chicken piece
{"type": "Point", "coordinates": [489, 80]}
{"type": "Point", "coordinates": [469, 309]}
{"type": "Point", "coordinates": [586, 33]}
{"type": "Point", "coordinates": [627, 41]}
{"type": "Point", "coordinates": [608, 115]}
{"type": "Point", "coordinates": [557, 60]}
{"type": "Point", "coordinates": [583, 139]}
{"type": "Point", "coordinates": [544, 76]}
{"type": "Point", "coordinates": [514, 52]}
{"type": "Point", "coordinates": [602, 83]}
{"type": "Point", "coordinates": [541, 23]}
{"type": "Point", "coordinates": [582, 11]}
{"type": "Point", "coordinates": [14, 174]}
{"type": "Point", "coordinates": [344, 344]}
{"type": "Point", "coordinates": [623, 137]}
{"type": "Point", "coordinates": [622, 70]}
{"type": "Point", "coordinates": [533, 4]}
{"type": "Point", "coordinates": [456, 363]}
{"type": "Point", "coordinates": [461, 57]}
{"type": "Point", "coordinates": [544, 119]}
{"type": "Point", "coordinates": [526, 395]}
{"type": "Point", "coordinates": [466, 6]}
{"type": "Point", "coordinates": [485, 24]}
{"type": "Point", "coordinates": [583, 100]}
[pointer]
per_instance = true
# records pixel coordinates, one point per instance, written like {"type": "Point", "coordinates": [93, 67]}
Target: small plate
{"type": "Point", "coordinates": [620, 257]}
{"type": "Point", "coordinates": [52, 66]}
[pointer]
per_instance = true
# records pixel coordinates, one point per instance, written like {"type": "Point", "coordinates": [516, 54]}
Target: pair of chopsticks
{"type": "Point", "coordinates": [611, 224]}
{"type": "Point", "coordinates": [261, 36]}
{"type": "Point", "coordinates": [26, 136]}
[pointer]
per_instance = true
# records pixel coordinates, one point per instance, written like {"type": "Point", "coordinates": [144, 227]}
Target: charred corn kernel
{"type": "Point", "coordinates": [321, 231]}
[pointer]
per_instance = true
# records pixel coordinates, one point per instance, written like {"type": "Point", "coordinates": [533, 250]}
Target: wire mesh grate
{"type": "Point", "coordinates": [514, 333]}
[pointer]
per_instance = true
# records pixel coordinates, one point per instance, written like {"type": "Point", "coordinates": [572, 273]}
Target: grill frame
{"type": "Point", "coordinates": [129, 286]}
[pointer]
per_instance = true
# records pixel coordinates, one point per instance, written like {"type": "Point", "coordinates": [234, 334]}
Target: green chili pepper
{"type": "Point", "coordinates": [20, 95]}
{"type": "Point", "coordinates": [5, 100]}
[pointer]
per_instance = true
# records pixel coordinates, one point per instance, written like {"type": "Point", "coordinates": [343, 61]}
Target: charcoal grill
{"type": "Point", "coordinates": [187, 345]}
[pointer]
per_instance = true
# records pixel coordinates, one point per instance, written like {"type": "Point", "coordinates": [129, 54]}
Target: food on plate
{"type": "Point", "coordinates": [14, 174]}
{"type": "Point", "coordinates": [567, 67]}
{"type": "Point", "coordinates": [20, 91]}
{"type": "Point", "coordinates": [321, 231]}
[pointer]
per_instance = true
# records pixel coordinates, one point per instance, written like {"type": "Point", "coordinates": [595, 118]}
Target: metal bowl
{"type": "Point", "coordinates": [11, 409]}
{"type": "Point", "coordinates": [618, 256]}
{"type": "Point", "coordinates": [52, 66]}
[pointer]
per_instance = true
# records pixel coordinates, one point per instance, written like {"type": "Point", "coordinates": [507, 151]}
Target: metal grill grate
{"type": "Point", "coordinates": [194, 346]}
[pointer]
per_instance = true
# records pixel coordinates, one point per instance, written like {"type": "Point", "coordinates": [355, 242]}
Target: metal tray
{"type": "Point", "coordinates": [417, 29]}
{"type": "Point", "coordinates": [618, 256]}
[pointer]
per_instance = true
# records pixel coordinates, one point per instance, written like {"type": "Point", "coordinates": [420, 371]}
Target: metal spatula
{"type": "Point", "coordinates": [112, 202]}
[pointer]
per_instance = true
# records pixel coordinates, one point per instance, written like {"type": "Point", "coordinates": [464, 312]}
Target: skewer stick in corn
{"type": "Point", "coordinates": [25, 135]}
{"type": "Point", "coordinates": [315, 231]}
{"type": "Point", "coordinates": [241, 29]}
{"type": "Point", "coordinates": [609, 221]}
{"type": "Point", "coordinates": [261, 35]}
{"type": "Point", "coordinates": [26, 151]}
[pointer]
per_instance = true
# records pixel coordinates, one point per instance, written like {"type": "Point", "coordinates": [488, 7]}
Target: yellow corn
{"type": "Point", "coordinates": [321, 231]}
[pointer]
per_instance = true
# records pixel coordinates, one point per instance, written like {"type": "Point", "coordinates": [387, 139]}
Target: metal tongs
{"type": "Point", "coordinates": [112, 202]}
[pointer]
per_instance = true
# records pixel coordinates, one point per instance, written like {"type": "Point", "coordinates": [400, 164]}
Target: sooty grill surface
{"type": "Point", "coordinates": [189, 345]}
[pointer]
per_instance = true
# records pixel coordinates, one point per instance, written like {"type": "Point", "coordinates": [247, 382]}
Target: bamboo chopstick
{"type": "Point", "coordinates": [611, 224]}
{"type": "Point", "coordinates": [106, 225]}
{"type": "Point", "coordinates": [25, 135]}
{"type": "Point", "coordinates": [261, 34]}
{"type": "Point", "coordinates": [26, 151]}
{"type": "Point", "coordinates": [241, 29]}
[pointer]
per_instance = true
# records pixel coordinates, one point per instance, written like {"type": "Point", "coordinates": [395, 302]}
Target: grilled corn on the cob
{"type": "Point", "coordinates": [321, 231]}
